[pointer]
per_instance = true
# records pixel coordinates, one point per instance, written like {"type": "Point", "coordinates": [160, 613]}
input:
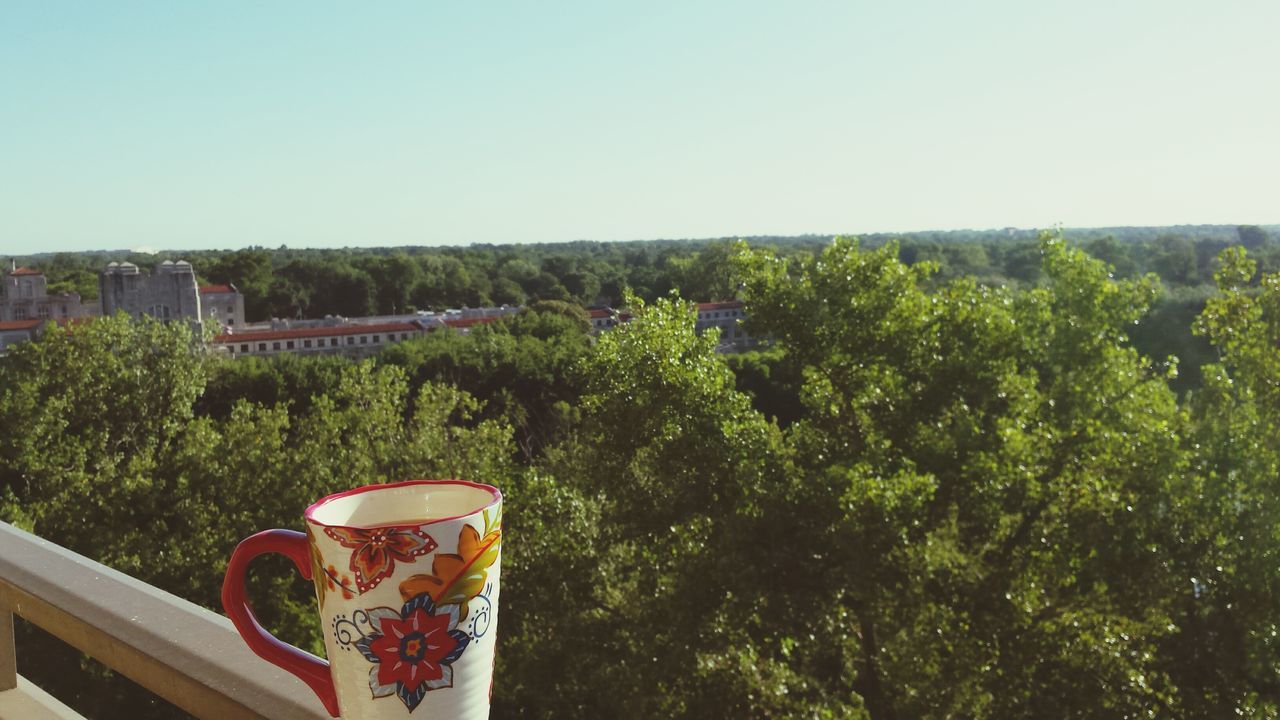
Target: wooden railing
{"type": "Point", "coordinates": [187, 655]}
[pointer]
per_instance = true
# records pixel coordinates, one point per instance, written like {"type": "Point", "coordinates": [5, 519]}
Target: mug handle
{"type": "Point", "coordinates": [309, 668]}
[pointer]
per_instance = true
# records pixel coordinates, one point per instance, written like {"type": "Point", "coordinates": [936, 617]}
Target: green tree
{"type": "Point", "coordinates": [394, 277]}
{"type": "Point", "coordinates": [250, 271]}
{"type": "Point", "coordinates": [524, 368]}
{"type": "Point", "coordinates": [655, 484]}
{"type": "Point", "coordinates": [508, 292]}
{"type": "Point", "coordinates": [705, 275]}
{"type": "Point", "coordinates": [1173, 258]}
{"type": "Point", "coordinates": [545, 286]}
{"type": "Point", "coordinates": [1110, 251]}
{"type": "Point", "coordinates": [1252, 236]}
{"type": "Point", "coordinates": [970, 461]}
{"type": "Point", "coordinates": [1225, 651]}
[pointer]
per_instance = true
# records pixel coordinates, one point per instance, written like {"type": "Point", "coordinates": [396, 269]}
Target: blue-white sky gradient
{"type": "Point", "coordinates": [315, 124]}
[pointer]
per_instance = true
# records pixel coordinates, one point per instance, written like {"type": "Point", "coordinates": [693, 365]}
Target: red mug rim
{"type": "Point", "coordinates": [309, 513]}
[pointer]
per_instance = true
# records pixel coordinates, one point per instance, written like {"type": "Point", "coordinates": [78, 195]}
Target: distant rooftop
{"type": "Point", "coordinates": [311, 332]}
{"type": "Point", "coordinates": [468, 322]}
{"type": "Point", "coordinates": [727, 305]}
{"type": "Point", "coordinates": [20, 324]}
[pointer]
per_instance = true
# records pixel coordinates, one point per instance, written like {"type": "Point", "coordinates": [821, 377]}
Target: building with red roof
{"type": "Point", "coordinates": [348, 339]}
{"type": "Point", "coordinates": [24, 295]}
{"type": "Point", "coordinates": [13, 332]}
{"type": "Point", "coordinates": [222, 304]}
{"type": "Point", "coordinates": [602, 318]}
{"type": "Point", "coordinates": [469, 322]}
{"type": "Point", "coordinates": [728, 317]}
{"type": "Point", "coordinates": [344, 337]}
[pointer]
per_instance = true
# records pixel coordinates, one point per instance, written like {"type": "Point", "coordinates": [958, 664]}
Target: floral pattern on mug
{"type": "Point", "coordinates": [412, 650]}
{"type": "Point", "coordinates": [459, 577]}
{"type": "Point", "coordinates": [327, 579]}
{"type": "Point", "coordinates": [376, 550]}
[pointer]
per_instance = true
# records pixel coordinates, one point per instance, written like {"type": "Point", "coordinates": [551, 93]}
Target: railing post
{"type": "Point", "coordinates": [8, 655]}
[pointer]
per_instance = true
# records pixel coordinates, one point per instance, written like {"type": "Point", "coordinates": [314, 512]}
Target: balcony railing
{"type": "Point", "coordinates": [187, 655]}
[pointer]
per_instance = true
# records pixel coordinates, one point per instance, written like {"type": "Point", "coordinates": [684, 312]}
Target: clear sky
{"type": "Point", "coordinates": [215, 125]}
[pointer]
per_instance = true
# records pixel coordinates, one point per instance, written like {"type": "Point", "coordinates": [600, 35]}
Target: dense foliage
{"type": "Point", "coordinates": [934, 496]}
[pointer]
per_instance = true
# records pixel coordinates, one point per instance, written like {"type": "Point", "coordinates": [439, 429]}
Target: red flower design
{"type": "Point", "coordinates": [413, 650]}
{"type": "Point", "coordinates": [410, 650]}
{"type": "Point", "coordinates": [377, 549]}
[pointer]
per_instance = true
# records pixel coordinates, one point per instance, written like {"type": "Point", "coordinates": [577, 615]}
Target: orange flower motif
{"type": "Point", "coordinates": [457, 577]}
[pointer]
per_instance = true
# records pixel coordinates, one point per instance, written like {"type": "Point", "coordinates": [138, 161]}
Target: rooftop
{"type": "Point", "coordinates": [725, 305]}
{"type": "Point", "coordinates": [20, 324]}
{"type": "Point", "coordinates": [25, 271]}
{"type": "Point", "coordinates": [216, 289]}
{"type": "Point", "coordinates": [311, 332]}
{"type": "Point", "coordinates": [468, 322]}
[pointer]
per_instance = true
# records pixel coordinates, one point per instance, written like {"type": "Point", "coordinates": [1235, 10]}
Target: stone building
{"type": "Point", "coordinates": [13, 332]}
{"type": "Point", "coordinates": [25, 296]}
{"type": "Point", "coordinates": [170, 293]}
{"type": "Point", "coordinates": [728, 317]}
{"type": "Point", "coordinates": [222, 304]}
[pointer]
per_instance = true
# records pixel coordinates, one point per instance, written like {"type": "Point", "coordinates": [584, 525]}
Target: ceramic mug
{"type": "Point", "coordinates": [406, 578]}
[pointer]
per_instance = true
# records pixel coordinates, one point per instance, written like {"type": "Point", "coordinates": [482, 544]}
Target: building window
{"type": "Point", "coordinates": [289, 345]}
{"type": "Point", "coordinates": [377, 338]}
{"type": "Point", "coordinates": [20, 312]}
{"type": "Point", "coordinates": [244, 348]}
{"type": "Point", "coordinates": [64, 311]}
{"type": "Point", "coordinates": [351, 340]}
{"type": "Point", "coordinates": [27, 290]}
{"type": "Point", "coordinates": [364, 339]}
{"type": "Point", "coordinates": [262, 347]}
{"type": "Point", "coordinates": [306, 343]}
{"type": "Point", "coordinates": [333, 342]}
{"type": "Point", "coordinates": [231, 310]}
{"type": "Point", "coordinates": [275, 346]}
{"type": "Point", "coordinates": [43, 311]}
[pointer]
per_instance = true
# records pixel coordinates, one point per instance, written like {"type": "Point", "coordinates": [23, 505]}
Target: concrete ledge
{"type": "Point", "coordinates": [185, 654]}
{"type": "Point", "coordinates": [29, 702]}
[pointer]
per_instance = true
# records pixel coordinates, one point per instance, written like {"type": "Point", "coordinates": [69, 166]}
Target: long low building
{"type": "Point", "coordinates": [350, 339]}
{"type": "Point", "coordinates": [343, 339]}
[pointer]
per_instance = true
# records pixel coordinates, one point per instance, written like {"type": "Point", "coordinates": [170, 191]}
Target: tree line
{"type": "Point", "coordinates": [355, 282]}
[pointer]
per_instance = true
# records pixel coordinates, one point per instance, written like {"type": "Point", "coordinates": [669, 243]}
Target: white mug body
{"type": "Point", "coordinates": [407, 584]}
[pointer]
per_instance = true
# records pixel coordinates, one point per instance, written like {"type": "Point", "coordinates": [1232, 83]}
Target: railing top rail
{"type": "Point", "coordinates": [182, 652]}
